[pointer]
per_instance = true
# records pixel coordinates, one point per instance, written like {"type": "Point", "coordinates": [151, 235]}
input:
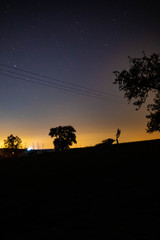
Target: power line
{"type": "Point", "coordinates": [57, 86]}
{"type": "Point", "coordinates": [63, 89]}
{"type": "Point", "coordinates": [62, 82]}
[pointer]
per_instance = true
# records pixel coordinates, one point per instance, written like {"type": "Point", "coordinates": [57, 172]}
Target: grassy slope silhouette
{"type": "Point", "coordinates": [91, 193]}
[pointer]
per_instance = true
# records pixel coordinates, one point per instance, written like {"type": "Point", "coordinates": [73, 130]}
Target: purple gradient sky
{"type": "Point", "coordinates": [81, 42]}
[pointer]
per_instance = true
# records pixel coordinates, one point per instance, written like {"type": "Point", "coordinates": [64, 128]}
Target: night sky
{"type": "Point", "coordinates": [70, 45]}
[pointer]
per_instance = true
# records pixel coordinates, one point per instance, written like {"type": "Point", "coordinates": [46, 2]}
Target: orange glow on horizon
{"type": "Point", "coordinates": [84, 140]}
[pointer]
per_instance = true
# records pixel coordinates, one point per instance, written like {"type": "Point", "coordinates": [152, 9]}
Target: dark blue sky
{"type": "Point", "coordinates": [77, 42]}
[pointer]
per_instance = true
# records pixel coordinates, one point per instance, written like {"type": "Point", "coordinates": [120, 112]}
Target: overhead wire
{"type": "Point", "coordinates": [62, 82]}
{"type": "Point", "coordinates": [60, 88]}
{"type": "Point", "coordinates": [57, 85]}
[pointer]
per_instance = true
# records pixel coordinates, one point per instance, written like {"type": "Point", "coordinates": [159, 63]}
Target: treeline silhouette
{"type": "Point", "coordinates": [64, 137]}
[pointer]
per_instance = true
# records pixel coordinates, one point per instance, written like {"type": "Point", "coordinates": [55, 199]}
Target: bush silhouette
{"type": "Point", "coordinates": [106, 142]}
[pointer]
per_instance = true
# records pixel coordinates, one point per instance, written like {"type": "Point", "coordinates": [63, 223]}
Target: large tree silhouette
{"type": "Point", "coordinates": [64, 137]}
{"type": "Point", "coordinates": [142, 77]}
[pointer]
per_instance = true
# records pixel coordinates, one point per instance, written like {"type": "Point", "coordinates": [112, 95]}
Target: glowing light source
{"type": "Point", "coordinates": [29, 149]}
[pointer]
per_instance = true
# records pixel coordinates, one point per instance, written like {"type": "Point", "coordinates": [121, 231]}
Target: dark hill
{"type": "Point", "coordinates": [92, 193]}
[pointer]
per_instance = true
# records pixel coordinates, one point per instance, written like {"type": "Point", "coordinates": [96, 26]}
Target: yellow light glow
{"type": "Point", "coordinates": [84, 140]}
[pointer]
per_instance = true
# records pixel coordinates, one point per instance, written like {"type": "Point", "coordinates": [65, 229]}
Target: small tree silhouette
{"type": "Point", "coordinates": [12, 145]}
{"type": "Point", "coordinates": [118, 135]}
{"type": "Point", "coordinates": [64, 137]}
{"type": "Point", "coordinates": [13, 142]}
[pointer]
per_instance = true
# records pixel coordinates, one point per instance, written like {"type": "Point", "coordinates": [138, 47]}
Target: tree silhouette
{"type": "Point", "coordinates": [13, 142]}
{"type": "Point", "coordinates": [118, 135]}
{"type": "Point", "coordinates": [143, 77]}
{"type": "Point", "coordinates": [154, 116]}
{"type": "Point", "coordinates": [64, 137]}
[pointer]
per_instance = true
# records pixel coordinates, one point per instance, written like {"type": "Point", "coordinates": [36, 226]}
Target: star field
{"type": "Point", "coordinates": [77, 42]}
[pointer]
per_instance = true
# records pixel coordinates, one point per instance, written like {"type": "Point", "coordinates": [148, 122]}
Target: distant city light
{"type": "Point", "coordinates": [29, 148]}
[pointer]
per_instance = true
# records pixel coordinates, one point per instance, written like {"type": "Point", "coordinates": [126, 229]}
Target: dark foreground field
{"type": "Point", "coordinates": [90, 193]}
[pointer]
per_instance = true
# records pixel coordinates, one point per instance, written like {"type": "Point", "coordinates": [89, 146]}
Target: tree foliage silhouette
{"type": "Point", "coordinates": [13, 142]}
{"type": "Point", "coordinates": [64, 137]}
{"type": "Point", "coordinates": [142, 77]}
{"type": "Point", "coordinates": [154, 116]}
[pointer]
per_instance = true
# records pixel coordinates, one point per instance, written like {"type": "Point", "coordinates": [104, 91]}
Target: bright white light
{"type": "Point", "coordinates": [29, 148]}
